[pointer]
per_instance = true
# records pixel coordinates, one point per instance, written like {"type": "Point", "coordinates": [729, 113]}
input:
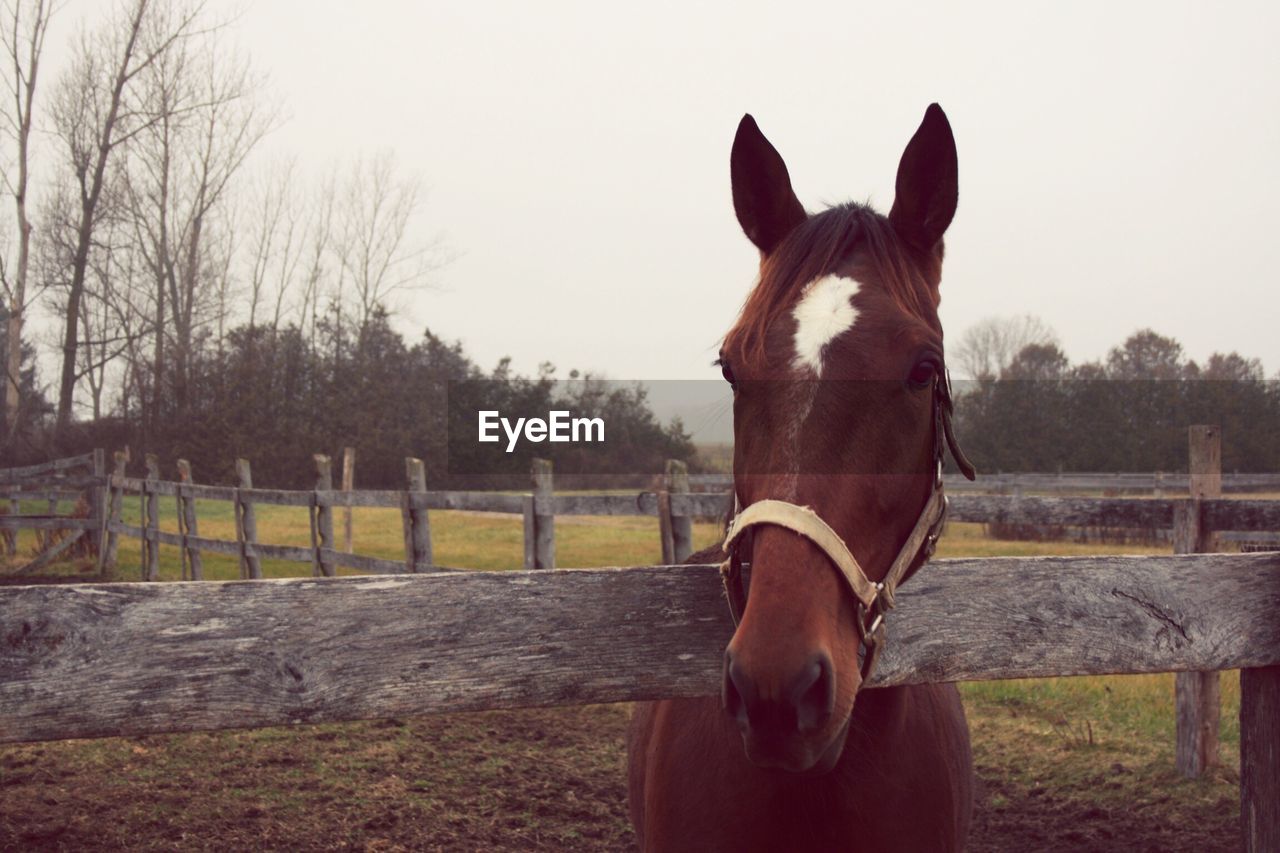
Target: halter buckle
{"type": "Point", "coordinates": [935, 531]}
{"type": "Point", "coordinates": [871, 632]}
{"type": "Point", "coordinates": [871, 616]}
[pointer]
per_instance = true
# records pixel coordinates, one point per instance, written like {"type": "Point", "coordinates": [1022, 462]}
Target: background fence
{"type": "Point", "coordinates": [102, 499]}
{"type": "Point", "coordinates": [1151, 482]}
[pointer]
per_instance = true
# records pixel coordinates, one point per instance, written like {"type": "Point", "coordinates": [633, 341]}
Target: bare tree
{"type": "Point", "coordinates": [206, 122]}
{"type": "Point", "coordinates": [375, 247]}
{"type": "Point", "coordinates": [319, 243]}
{"type": "Point", "coordinates": [111, 325]}
{"type": "Point", "coordinates": [277, 240]}
{"type": "Point", "coordinates": [990, 345]}
{"type": "Point", "coordinates": [95, 114]}
{"type": "Point", "coordinates": [23, 28]}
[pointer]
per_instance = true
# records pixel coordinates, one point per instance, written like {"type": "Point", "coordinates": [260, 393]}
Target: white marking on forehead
{"type": "Point", "coordinates": [825, 312]}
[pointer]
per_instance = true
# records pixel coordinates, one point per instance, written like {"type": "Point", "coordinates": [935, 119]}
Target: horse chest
{"type": "Point", "coordinates": [896, 788]}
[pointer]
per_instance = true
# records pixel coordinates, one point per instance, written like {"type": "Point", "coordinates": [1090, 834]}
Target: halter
{"type": "Point", "coordinates": [874, 598]}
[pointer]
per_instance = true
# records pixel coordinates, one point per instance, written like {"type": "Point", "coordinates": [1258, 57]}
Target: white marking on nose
{"type": "Point", "coordinates": [825, 312]}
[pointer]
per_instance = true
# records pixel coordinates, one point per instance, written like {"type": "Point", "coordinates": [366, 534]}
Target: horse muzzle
{"type": "Point", "coordinates": [793, 735]}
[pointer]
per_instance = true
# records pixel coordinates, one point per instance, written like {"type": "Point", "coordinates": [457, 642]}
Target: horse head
{"type": "Point", "coordinates": [840, 408]}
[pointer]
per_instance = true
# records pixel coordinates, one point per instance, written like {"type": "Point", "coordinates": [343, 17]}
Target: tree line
{"type": "Point", "coordinates": [277, 396]}
{"type": "Point", "coordinates": [145, 220]}
{"type": "Point", "coordinates": [1030, 409]}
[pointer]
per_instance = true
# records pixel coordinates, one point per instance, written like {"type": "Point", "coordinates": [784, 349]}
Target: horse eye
{"type": "Point", "coordinates": [924, 372]}
{"type": "Point", "coordinates": [725, 370]}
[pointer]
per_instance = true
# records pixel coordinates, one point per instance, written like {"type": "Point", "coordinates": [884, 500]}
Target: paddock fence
{"type": "Point", "coordinates": [78, 479]}
{"type": "Point", "coordinates": [1157, 483]}
{"type": "Point", "coordinates": [90, 660]}
{"type": "Point", "coordinates": [674, 508]}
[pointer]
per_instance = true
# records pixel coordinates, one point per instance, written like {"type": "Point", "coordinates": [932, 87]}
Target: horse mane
{"type": "Point", "coordinates": [816, 248]}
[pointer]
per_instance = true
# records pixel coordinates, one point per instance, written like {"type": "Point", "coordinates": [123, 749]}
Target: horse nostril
{"type": "Point", "coordinates": [805, 708]}
{"type": "Point", "coordinates": [738, 691]}
{"type": "Point", "coordinates": [813, 695]}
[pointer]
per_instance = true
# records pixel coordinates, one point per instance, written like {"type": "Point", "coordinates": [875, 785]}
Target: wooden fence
{"type": "Point", "coordinates": [105, 659]}
{"type": "Point", "coordinates": [674, 508]}
{"type": "Point", "coordinates": [78, 478]}
{"type": "Point", "coordinates": [1153, 482]}
{"type": "Point", "coordinates": [539, 508]}
{"type": "Point", "coordinates": [90, 660]}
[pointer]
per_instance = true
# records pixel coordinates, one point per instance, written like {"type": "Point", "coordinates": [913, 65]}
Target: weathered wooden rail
{"type": "Point", "coordinates": [1067, 481]}
{"type": "Point", "coordinates": [116, 659]}
{"type": "Point", "coordinates": [45, 469]}
{"type": "Point", "coordinates": [75, 478]}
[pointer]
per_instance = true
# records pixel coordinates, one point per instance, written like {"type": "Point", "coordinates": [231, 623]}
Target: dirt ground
{"type": "Point", "coordinates": [528, 780]}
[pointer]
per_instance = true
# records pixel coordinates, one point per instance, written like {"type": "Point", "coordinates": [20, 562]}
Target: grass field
{"type": "Point", "coordinates": [1063, 764]}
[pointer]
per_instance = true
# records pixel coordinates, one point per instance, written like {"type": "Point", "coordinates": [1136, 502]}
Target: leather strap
{"type": "Point", "coordinates": [807, 523]}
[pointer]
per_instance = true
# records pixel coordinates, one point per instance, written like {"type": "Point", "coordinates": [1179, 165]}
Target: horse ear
{"type": "Point", "coordinates": [926, 189]}
{"type": "Point", "coordinates": [766, 205]}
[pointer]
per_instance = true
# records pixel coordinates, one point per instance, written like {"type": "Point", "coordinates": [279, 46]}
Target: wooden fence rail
{"type": "Point", "coordinates": [673, 510]}
{"type": "Point", "coordinates": [1110, 512]}
{"type": "Point", "coordinates": [56, 467]}
{"type": "Point", "coordinates": [1082, 511]}
{"type": "Point", "coordinates": [1153, 513]}
{"type": "Point", "coordinates": [1068, 481]}
{"type": "Point", "coordinates": [232, 654]}
{"type": "Point", "coordinates": [130, 659]}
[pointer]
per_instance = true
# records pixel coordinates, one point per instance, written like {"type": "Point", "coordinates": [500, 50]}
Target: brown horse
{"type": "Point", "coordinates": [841, 406]}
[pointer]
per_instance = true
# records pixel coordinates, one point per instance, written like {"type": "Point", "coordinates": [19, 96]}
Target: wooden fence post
{"type": "Point", "coordinates": [530, 535]}
{"type": "Point", "coordinates": [187, 524]}
{"type": "Point", "coordinates": [151, 521]}
{"type": "Point", "coordinates": [10, 537]}
{"type": "Point", "coordinates": [664, 528]}
{"type": "Point", "coordinates": [98, 505]}
{"type": "Point", "coordinates": [246, 523]}
{"type": "Point", "coordinates": [348, 483]}
{"type": "Point", "coordinates": [1198, 705]}
{"type": "Point", "coordinates": [121, 458]}
{"type": "Point", "coordinates": [417, 525]}
{"type": "Point", "coordinates": [324, 517]}
{"type": "Point", "coordinates": [45, 537]}
{"type": "Point", "coordinates": [677, 476]}
{"type": "Point", "coordinates": [544, 530]}
{"type": "Point", "coordinates": [1260, 758]}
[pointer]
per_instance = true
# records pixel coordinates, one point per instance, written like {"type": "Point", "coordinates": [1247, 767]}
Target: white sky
{"type": "Point", "coordinates": [1118, 161]}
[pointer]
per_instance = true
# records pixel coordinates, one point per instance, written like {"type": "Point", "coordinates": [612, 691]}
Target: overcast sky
{"type": "Point", "coordinates": [1118, 161]}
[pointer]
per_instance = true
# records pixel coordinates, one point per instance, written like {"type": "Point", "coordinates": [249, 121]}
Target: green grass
{"type": "Point", "coordinates": [487, 541]}
{"type": "Point", "coordinates": [1103, 710]}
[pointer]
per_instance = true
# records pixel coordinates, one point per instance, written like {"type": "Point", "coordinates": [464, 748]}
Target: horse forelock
{"type": "Point", "coordinates": [818, 248]}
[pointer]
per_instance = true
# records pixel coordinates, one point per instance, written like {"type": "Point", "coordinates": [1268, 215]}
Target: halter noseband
{"type": "Point", "coordinates": [874, 598]}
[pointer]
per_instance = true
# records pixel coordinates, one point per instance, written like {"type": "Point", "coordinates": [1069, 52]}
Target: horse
{"type": "Point", "coordinates": [841, 414]}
